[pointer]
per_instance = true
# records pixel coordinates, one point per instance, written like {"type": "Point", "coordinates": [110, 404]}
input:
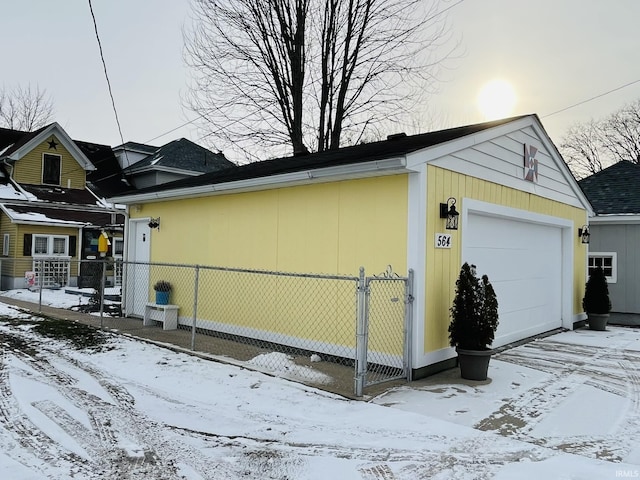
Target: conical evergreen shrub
{"type": "Point", "coordinates": [596, 293]}
{"type": "Point", "coordinates": [474, 312]}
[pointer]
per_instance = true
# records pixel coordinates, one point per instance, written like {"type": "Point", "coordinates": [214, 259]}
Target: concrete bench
{"type": "Point", "coordinates": [167, 314]}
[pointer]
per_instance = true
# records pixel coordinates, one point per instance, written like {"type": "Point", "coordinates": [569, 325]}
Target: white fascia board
{"type": "Point", "coordinates": [51, 224]}
{"type": "Point", "coordinates": [342, 172]}
{"type": "Point", "coordinates": [66, 141]}
{"type": "Point", "coordinates": [159, 168]}
{"type": "Point", "coordinates": [617, 219]}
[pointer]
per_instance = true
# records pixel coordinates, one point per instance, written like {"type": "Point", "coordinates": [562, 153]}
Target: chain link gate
{"type": "Point", "coordinates": [323, 330]}
{"type": "Point", "coordinates": [384, 329]}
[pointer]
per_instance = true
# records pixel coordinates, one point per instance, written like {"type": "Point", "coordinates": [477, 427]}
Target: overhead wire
{"type": "Point", "coordinates": [592, 98]}
{"type": "Point", "coordinates": [106, 75]}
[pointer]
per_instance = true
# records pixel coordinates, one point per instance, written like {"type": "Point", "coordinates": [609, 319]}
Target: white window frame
{"type": "Point", "coordinates": [613, 278]}
{"type": "Point", "coordinates": [117, 240]}
{"type": "Point", "coordinates": [5, 244]}
{"type": "Point", "coordinates": [44, 155]}
{"type": "Point", "coordinates": [50, 242]}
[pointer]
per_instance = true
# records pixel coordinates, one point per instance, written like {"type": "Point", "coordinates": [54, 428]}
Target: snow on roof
{"type": "Point", "coordinates": [37, 217]}
{"type": "Point", "coordinates": [6, 148]}
{"type": "Point", "coordinates": [156, 160]}
{"type": "Point", "coordinates": [9, 192]}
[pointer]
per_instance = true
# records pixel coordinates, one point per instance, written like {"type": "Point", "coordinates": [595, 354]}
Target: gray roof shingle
{"type": "Point", "coordinates": [614, 190]}
{"type": "Point", "coordinates": [185, 155]}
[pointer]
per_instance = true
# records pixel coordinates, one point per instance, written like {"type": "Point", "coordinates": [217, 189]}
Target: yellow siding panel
{"type": "Point", "coordinates": [329, 228]}
{"type": "Point", "coordinates": [28, 169]}
{"type": "Point", "coordinates": [322, 228]}
{"type": "Point", "coordinates": [442, 266]}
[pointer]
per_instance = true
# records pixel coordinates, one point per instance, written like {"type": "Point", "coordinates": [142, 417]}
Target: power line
{"type": "Point", "coordinates": [106, 75]}
{"type": "Point", "coordinates": [592, 98]}
{"type": "Point", "coordinates": [174, 129]}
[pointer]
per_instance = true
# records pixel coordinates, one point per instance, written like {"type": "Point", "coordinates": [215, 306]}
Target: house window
{"type": "Point", "coordinates": [5, 244]}
{"type": "Point", "coordinates": [118, 247]}
{"type": "Point", "coordinates": [50, 245]}
{"type": "Point", "coordinates": [51, 169]}
{"type": "Point", "coordinates": [608, 261]}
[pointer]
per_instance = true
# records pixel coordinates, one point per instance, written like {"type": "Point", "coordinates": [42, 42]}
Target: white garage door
{"type": "Point", "coordinates": [523, 262]}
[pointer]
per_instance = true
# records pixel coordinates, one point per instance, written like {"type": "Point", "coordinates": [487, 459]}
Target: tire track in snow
{"type": "Point", "coordinates": [23, 431]}
{"type": "Point", "coordinates": [614, 373]}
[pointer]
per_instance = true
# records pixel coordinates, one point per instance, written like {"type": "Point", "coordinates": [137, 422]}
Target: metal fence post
{"type": "Point", "coordinates": [40, 281]}
{"type": "Point", "coordinates": [408, 326]}
{"type": "Point", "coordinates": [195, 307]}
{"type": "Point", "coordinates": [361, 335]}
{"type": "Point", "coordinates": [102, 286]}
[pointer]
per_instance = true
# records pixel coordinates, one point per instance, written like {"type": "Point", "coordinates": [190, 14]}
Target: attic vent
{"type": "Point", "coordinates": [396, 136]}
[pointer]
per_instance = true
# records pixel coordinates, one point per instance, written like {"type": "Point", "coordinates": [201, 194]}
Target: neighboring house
{"type": "Point", "coordinates": [146, 166]}
{"type": "Point", "coordinates": [47, 210]}
{"type": "Point", "coordinates": [615, 231]}
{"type": "Point", "coordinates": [378, 204]}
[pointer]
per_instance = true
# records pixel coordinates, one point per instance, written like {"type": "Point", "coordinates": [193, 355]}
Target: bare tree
{"type": "Point", "coordinates": [622, 133]}
{"type": "Point", "coordinates": [25, 109]}
{"type": "Point", "coordinates": [582, 148]}
{"type": "Point", "coordinates": [590, 147]}
{"type": "Point", "coordinates": [306, 74]}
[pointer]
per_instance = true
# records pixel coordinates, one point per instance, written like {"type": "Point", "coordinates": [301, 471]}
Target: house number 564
{"type": "Point", "coordinates": [443, 240]}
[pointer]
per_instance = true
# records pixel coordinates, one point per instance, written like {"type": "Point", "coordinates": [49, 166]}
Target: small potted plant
{"type": "Point", "coordinates": [474, 320]}
{"type": "Point", "coordinates": [596, 300]}
{"type": "Point", "coordinates": [162, 288]}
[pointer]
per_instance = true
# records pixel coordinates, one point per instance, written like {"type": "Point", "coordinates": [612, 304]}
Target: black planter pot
{"type": "Point", "coordinates": [598, 321]}
{"type": "Point", "coordinates": [474, 364]}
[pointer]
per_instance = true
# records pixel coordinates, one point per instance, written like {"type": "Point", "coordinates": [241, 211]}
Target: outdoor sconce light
{"type": "Point", "coordinates": [448, 211]}
{"type": "Point", "coordinates": [583, 234]}
{"type": "Point", "coordinates": [155, 223]}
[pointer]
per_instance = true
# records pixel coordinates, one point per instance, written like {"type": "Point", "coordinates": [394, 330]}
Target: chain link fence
{"type": "Point", "coordinates": [339, 333]}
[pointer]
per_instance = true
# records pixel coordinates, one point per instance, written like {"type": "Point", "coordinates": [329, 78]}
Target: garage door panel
{"type": "Point", "coordinates": [523, 262]}
{"type": "Point", "coordinates": [521, 294]}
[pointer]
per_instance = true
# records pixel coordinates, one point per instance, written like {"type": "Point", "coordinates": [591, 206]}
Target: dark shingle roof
{"type": "Point", "coordinates": [614, 190]}
{"type": "Point", "coordinates": [71, 196]}
{"type": "Point", "coordinates": [99, 219]}
{"type": "Point", "coordinates": [397, 146]}
{"type": "Point", "coordinates": [15, 139]}
{"type": "Point", "coordinates": [136, 147]}
{"type": "Point", "coordinates": [185, 155]}
{"type": "Point", "coordinates": [107, 179]}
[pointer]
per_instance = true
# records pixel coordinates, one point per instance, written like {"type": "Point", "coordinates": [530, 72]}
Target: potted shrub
{"type": "Point", "coordinates": [162, 288]}
{"type": "Point", "coordinates": [474, 320]}
{"type": "Point", "coordinates": [596, 300]}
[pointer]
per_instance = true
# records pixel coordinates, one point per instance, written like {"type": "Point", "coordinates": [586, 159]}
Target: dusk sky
{"type": "Point", "coordinates": [554, 54]}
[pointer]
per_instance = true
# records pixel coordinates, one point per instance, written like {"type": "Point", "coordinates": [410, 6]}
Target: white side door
{"type": "Point", "coordinates": [137, 275]}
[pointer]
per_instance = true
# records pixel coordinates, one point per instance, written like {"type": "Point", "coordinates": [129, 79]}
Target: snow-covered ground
{"type": "Point", "coordinates": [563, 407]}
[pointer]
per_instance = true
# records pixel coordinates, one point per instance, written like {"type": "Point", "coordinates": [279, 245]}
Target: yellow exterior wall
{"type": "Point", "coordinates": [443, 265]}
{"type": "Point", "coordinates": [28, 169]}
{"type": "Point", "coordinates": [16, 263]}
{"type": "Point", "coordinates": [322, 228]}
{"type": "Point", "coordinates": [331, 228]}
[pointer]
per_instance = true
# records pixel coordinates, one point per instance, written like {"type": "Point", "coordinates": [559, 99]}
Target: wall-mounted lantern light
{"type": "Point", "coordinates": [155, 223]}
{"type": "Point", "coordinates": [583, 234]}
{"type": "Point", "coordinates": [448, 211]}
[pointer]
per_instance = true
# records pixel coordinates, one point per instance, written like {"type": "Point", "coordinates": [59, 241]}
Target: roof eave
{"type": "Point", "coordinates": [386, 166]}
{"type": "Point", "coordinates": [66, 141]}
{"type": "Point", "coordinates": [616, 219]}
